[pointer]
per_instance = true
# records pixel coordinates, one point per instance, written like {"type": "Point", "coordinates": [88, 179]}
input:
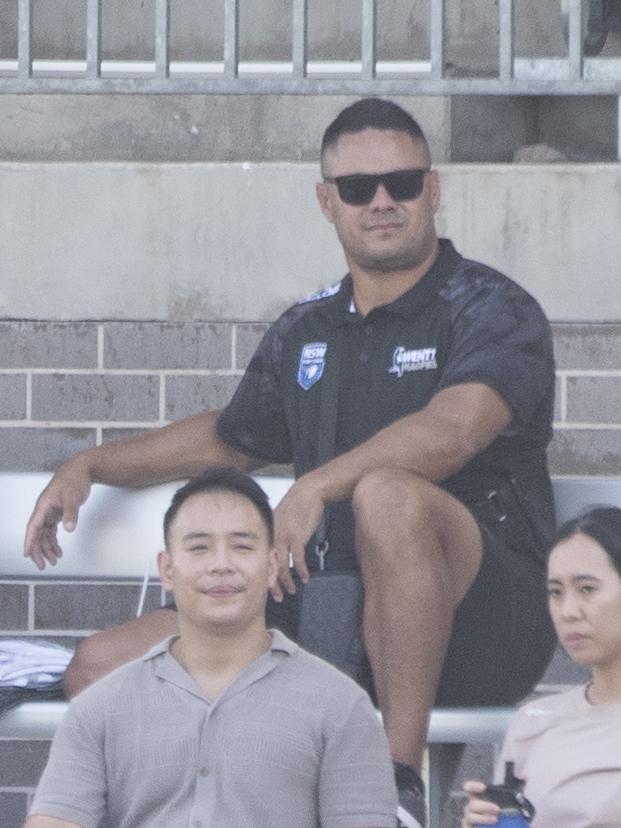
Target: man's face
{"type": "Point", "coordinates": [385, 235]}
{"type": "Point", "coordinates": [219, 563]}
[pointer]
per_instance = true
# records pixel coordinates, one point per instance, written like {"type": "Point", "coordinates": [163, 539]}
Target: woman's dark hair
{"type": "Point", "coordinates": [603, 524]}
{"type": "Point", "coordinates": [222, 479]}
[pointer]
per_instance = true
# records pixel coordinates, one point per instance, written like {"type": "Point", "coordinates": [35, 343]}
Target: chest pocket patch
{"type": "Point", "coordinates": [312, 364]}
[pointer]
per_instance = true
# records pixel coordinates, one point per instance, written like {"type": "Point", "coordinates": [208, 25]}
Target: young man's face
{"type": "Point", "coordinates": [219, 563]}
{"type": "Point", "coordinates": [385, 235]}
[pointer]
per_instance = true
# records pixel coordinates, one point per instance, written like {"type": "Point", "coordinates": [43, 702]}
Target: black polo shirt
{"type": "Point", "coordinates": [462, 322]}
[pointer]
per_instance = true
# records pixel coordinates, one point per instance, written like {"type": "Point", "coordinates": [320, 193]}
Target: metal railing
{"type": "Point", "coordinates": [573, 75]}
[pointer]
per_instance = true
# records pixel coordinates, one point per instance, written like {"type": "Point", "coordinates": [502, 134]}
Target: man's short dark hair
{"type": "Point", "coordinates": [372, 113]}
{"type": "Point", "coordinates": [222, 479]}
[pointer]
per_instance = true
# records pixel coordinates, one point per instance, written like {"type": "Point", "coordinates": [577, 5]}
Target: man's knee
{"type": "Point", "coordinates": [89, 662]}
{"type": "Point", "coordinates": [392, 500]}
{"type": "Point", "coordinates": [108, 649]}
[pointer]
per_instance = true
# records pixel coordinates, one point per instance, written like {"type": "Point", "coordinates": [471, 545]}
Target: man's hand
{"type": "Point", "coordinates": [478, 811]}
{"type": "Point", "coordinates": [60, 500]}
{"type": "Point", "coordinates": [296, 517]}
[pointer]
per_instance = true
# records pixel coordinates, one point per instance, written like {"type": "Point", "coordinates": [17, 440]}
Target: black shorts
{"type": "Point", "coordinates": [502, 637]}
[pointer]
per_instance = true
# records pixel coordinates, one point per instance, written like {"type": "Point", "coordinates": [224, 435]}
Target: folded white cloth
{"type": "Point", "coordinates": [28, 663]}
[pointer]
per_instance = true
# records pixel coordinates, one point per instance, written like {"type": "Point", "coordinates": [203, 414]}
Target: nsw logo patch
{"type": "Point", "coordinates": [417, 359]}
{"type": "Point", "coordinates": [312, 363]}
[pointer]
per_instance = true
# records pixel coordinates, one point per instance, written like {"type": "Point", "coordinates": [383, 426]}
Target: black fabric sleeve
{"type": "Point", "coordinates": [254, 422]}
{"type": "Point", "coordinates": [501, 337]}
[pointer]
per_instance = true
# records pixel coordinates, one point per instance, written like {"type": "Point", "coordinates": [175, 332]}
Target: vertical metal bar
{"type": "Point", "coordinates": [576, 40]}
{"type": "Point", "coordinates": [300, 37]}
{"type": "Point", "coordinates": [24, 39]}
{"type": "Point", "coordinates": [505, 45]}
{"type": "Point", "coordinates": [93, 39]}
{"type": "Point", "coordinates": [368, 29]}
{"type": "Point", "coordinates": [437, 37]}
{"type": "Point", "coordinates": [231, 38]}
{"type": "Point", "coordinates": [619, 128]}
{"type": "Point", "coordinates": [162, 35]}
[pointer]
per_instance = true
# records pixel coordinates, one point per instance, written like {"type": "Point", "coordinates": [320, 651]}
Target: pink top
{"type": "Point", "coordinates": [569, 754]}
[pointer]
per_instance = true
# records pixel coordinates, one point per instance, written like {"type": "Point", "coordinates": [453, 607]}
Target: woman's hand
{"type": "Point", "coordinates": [478, 811]}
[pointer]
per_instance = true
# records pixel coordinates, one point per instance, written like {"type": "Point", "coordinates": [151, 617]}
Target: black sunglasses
{"type": "Point", "coordinates": [360, 188]}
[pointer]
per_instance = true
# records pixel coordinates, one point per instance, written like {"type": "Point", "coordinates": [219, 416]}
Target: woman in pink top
{"type": "Point", "coordinates": [567, 747]}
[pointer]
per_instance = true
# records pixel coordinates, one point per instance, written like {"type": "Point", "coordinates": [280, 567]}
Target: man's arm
{"type": "Point", "coordinates": [41, 821]}
{"type": "Point", "coordinates": [176, 451]}
{"type": "Point", "coordinates": [435, 443]}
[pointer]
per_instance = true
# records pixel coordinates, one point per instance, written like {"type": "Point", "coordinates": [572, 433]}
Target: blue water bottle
{"type": "Point", "coordinates": [515, 810]}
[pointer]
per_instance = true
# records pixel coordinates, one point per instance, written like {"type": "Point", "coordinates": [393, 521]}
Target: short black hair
{"type": "Point", "coordinates": [222, 479]}
{"type": "Point", "coordinates": [603, 525]}
{"type": "Point", "coordinates": [372, 113]}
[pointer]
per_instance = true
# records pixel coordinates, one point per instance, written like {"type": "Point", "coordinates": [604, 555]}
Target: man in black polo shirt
{"type": "Point", "coordinates": [428, 379]}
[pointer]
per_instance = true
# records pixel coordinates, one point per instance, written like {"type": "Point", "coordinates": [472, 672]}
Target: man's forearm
{"type": "Point", "coordinates": [435, 442]}
{"type": "Point", "coordinates": [178, 450]}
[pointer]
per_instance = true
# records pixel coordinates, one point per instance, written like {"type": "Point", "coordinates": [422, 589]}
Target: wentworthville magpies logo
{"type": "Point", "coordinates": [312, 363]}
{"type": "Point", "coordinates": [419, 359]}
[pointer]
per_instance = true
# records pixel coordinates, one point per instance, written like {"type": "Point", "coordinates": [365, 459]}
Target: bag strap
{"type": "Point", "coordinates": [326, 444]}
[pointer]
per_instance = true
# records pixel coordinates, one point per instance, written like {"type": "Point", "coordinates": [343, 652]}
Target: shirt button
{"type": "Point", "coordinates": [204, 772]}
{"type": "Point", "coordinates": [364, 358]}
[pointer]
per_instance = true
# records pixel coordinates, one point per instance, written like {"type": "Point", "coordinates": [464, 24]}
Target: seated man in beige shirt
{"type": "Point", "coordinates": [228, 723]}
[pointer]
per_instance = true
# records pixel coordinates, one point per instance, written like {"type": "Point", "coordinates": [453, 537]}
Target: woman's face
{"type": "Point", "coordinates": [584, 592]}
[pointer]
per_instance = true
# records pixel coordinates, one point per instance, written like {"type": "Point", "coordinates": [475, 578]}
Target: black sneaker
{"type": "Point", "coordinates": [412, 808]}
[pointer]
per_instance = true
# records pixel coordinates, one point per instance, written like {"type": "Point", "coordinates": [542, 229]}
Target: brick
{"type": "Point", "coordinates": [48, 345]}
{"type": "Point", "coordinates": [95, 397]}
{"type": "Point", "coordinates": [190, 395]}
{"type": "Point", "coordinates": [88, 606]}
{"type": "Point", "coordinates": [110, 434]}
{"type": "Point", "coordinates": [247, 340]}
{"type": "Point", "coordinates": [587, 347]}
{"type": "Point", "coordinates": [13, 607]}
{"type": "Point", "coordinates": [585, 451]}
{"type": "Point", "coordinates": [41, 449]}
{"type": "Point", "coordinates": [12, 396]}
{"type": "Point", "coordinates": [593, 399]}
{"type": "Point", "coordinates": [22, 763]}
{"type": "Point", "coordinates": [190, 345]}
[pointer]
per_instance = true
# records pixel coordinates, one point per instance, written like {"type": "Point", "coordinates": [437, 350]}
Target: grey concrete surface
{"type": "Point", "coordinates": [34, 449]}
{"type": "Point", "coordinates": [95, 397]}
{"type": "Point", "coordinates": [41, 344]}
{"type": "Point", "coordinates": [177, 242]}
{"type": "Point", "coordinates": [191, 395]}
{"type": "Point", "coordinates": [167, 346]}
{"type": "Point", "coordinates": [587, 347]}
{"type": "Point", "coordinates": [585, 451]}
{"type": "Point", "coordinates": [93, 606]}
{"type": "Point", "coordinates": [14, 606]}
{"type": "Point", "coordinates": [12, 396]}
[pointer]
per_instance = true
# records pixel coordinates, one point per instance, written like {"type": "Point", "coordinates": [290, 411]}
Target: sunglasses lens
{"type": "Point", "coordinates": [357, 189]}
{"type": "Point", "coordinates": [402, 185]}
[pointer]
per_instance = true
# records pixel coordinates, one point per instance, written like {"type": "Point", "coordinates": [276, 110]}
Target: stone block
{"type": "Point", "coordinates": [110, 434]}
{"type": "Point", "coordinates": [190, 395]}
{"type": "Point", "coordinates": [48, 344]}
{"type": "Point", "coordinates": [13, 807]}
{"type": "Point", "coordinates": [593, 399]}
{"type": "Point", "coordinates": [22, 763]}
{"type": "Point", "coordinates": [41, 449]}
{"type": "Point", "coordinates": [585, 451]}
{"type": "Point", "coordinates": [201, 345]}
{"type": "Point", "coordinates": [95, 397]}
{"type": "Point", "coordinates": [12, 396]}
{"type": "Point", "coordinates": [88, 606]}
{"type": "Point", "coordinates": [13, 606]}
{"type": "Point", "coordinates": [246, 342]}
{"type": "Point", "coordinates": [558, 411]}
{"type": "Point", "coordinates": [587, 347]}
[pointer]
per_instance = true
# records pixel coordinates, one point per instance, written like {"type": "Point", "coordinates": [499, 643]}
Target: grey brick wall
{"type": "Point", "coordinates": [68, 386]}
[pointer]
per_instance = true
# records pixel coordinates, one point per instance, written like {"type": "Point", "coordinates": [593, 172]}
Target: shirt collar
{"type": "Point", "coordinates": [410, 303]}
